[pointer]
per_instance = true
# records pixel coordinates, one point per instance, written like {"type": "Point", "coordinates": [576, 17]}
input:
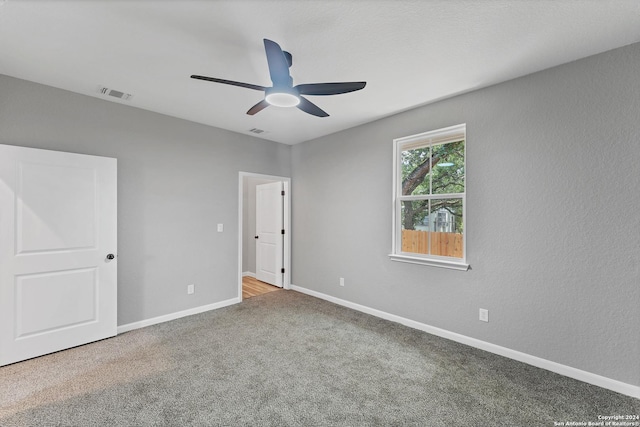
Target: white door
{"type": "Point", "coordinates": [269, 233]}
{"type": "Point", "coordinates": [57, 229]}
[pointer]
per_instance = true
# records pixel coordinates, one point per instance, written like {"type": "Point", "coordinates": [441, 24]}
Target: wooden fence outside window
{"type": "Point", "coordinates": [442, 244]}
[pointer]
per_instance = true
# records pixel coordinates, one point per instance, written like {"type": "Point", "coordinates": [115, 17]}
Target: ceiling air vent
{"type": "Point", "coordinates": [256, 130]}
{"type": "Point", "coordinates": [115, 93]}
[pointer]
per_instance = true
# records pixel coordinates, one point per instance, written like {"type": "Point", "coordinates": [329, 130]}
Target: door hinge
{"type": "Point", "coordinates": [282, 231]}
{"type": "Point", "coordinates": [282, 270]}
{"type": "Point", "coordinates": [282, 192]}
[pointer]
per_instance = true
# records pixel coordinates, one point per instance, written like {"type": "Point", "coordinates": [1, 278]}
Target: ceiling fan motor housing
{"type": "Point", "coordinates": [288, 57]}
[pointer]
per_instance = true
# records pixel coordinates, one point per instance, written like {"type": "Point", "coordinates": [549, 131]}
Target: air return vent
{"type": "Point", "coordinates": [115, 93]}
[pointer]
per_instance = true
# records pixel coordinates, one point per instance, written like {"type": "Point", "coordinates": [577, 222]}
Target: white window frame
{"type": "Point", "coordinates": [437, 136]}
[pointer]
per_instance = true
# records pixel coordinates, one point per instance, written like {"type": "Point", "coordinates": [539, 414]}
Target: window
{"type": "Point", "coordinates": [429, 198]}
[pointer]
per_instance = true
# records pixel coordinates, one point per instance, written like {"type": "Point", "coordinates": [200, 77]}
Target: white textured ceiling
{"type": "Point", "coordinates": [409, 52]}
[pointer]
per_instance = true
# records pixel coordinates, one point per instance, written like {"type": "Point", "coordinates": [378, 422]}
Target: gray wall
{"type": "Point", "coordinates": [553, 217]}
{"type": "Point", "coordinates": [176, 181]}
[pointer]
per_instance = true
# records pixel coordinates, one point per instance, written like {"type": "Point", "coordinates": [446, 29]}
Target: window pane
{"type": "Point", "coordinates": [415, 226]}
{"type": "Point", "coordinates": [415, 171]}
{"type": "Point", "coordinates": [448, 173]}
{"type": "Point", "coordinates": [445, 222]}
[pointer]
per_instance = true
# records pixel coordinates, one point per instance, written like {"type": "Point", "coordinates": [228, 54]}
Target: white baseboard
{"type": "Point", "coordinates": [177, 315]}
{"type": "Point", "coordinates": [568, 371]}
{"type": "Point", "coordinates": [249, 273]}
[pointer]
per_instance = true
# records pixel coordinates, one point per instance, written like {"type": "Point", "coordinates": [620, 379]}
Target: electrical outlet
{"type": "Point", "coordinates": [220, 228]}
{"type": "Point", "coordinates": [191, 289]}
{"type": "Point", "coordinates": [342, 281]}
{"type": "Point", "coordinates": [484, 315]}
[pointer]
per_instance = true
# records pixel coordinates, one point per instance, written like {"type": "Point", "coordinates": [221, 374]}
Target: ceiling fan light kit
{"type": "Point", "coordinates": [282, 97]}
{"type": "Point", "coordinates": [283, 93]}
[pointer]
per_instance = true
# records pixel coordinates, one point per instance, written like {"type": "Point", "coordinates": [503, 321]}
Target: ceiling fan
{"type": "Point", "coordinates": [283, 93]}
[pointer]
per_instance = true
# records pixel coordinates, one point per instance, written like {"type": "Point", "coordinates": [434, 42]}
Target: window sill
{"type": "Point", "coordinates": [453, 265]}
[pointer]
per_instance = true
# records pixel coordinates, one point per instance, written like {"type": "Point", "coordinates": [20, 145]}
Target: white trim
{"type": "Point", "coordinates": [177, 315]}
{"type": "Point", "coordinates": [567, 371]}
{"type": "Point", "coordinates": [431, 196]}
{"type": "Point", "coordinates": [434, 262]}
{"type": "Point", "coordinates": [248, 274]}
{"type": "Point", "coordinates": [434, 137]}
{"type": "Point", "coordinates": [286, 283]}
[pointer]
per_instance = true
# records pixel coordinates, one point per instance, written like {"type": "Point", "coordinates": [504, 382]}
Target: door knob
{"type": "Point", "coordinates": [111, 256]}
{"type": "Point", "coordinates": [256, 237]}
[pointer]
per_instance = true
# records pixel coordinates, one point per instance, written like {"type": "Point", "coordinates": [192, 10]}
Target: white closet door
{"type": "Point", "coordinates": [58, 265]}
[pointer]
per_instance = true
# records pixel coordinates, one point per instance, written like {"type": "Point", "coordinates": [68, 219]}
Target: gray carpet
{"type": "Point", "coordinates": [287, 359]}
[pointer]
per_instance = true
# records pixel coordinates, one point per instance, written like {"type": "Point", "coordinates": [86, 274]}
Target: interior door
{"type": "Point", "coordinates": [269, 233]}
{"type": "Point", "coordinates": [57, 251]}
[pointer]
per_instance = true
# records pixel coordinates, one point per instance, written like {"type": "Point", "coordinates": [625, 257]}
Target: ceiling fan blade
{"type": "Point", "coordinates": [278, 64]}
{"type": "Point", "coordinates": [229, 82]}
{"type": "Point", "coordinates": [329, 88]}
{"type": "Point", "coordinates": [258, 107]}
{"type": "Point", "coordinates": [311, 108]}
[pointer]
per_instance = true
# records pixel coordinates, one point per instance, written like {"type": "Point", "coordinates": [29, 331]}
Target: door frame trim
{"type": "Point", "coordinates": [286, 280]}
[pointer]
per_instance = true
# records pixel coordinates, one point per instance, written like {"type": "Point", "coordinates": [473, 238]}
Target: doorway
{"type": "Point", "coordinates": [248, 182]}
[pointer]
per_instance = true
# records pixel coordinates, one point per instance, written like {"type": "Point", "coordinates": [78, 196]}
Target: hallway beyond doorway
{"type": "Point", "coordinates": [252, 287]}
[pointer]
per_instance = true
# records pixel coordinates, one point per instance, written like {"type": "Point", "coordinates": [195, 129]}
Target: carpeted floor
{"type": "Point", "coordinates": [287, 359]}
